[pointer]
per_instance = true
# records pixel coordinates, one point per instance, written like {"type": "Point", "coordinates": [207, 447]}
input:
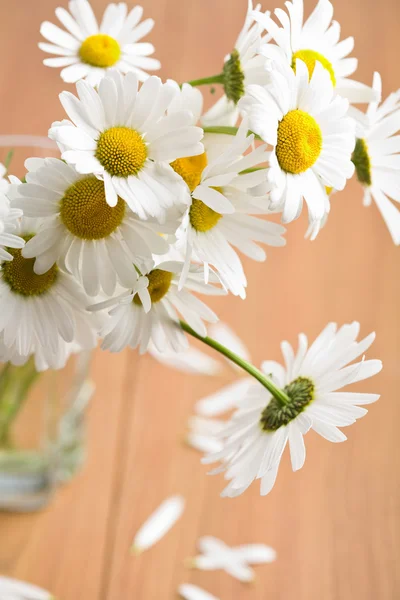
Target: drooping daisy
{"type": "Point", "coordinates": [315, 41]}
{"type": "Point", "coordinates": [257, 434]}
{"type": "Point", "coordinates": [123, 136]}
{"type": "Point", "coordinates": [149, 310]}
{"type": "Point", "coordinates": [87, 50]}
{"type": "Point", "coordinates": [221, 208]}
{"type": "Point", "coordinates": [311, 134]}
{"type": "Point", "coordinates": [242, 67]}
{"type": "Point", "coordinates": [97, 243]}
{"type": "Point", "coordinates": [377, 156]}
{"type": "Point", "coordinates": [40, 311]}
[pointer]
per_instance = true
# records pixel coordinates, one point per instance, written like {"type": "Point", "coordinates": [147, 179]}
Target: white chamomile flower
{"type": "Point", "coordinates": [315, 41]}
{"type": "Point", "coordinates": [257, 434]}
{"type": "Point", "coordinates": [40, 312]}
{"type": "Point", "coordinates": [235, 561]}
{"type": "Point", "coordinates": [243, 67]}
{"type": "Point", "coordinates": [97, 243]}
{"type": "Point", "coordinates": [188, 591]}
{"type": "Point", "coordinates": [221, 208]}
{"type": "Point", "coordinates": [149, 310]}
{"type": "Point", "coordinates": [12, 589]}
{"type": "Point", "coordinates": [377, 156]}
{"type": "Point", "coordinates": [9, 218]}
{"type": "Point", "coordinates": [87, 50]}
{"type": "Point", "coordinates": [311, 135]}
{"type": "Point", "coordinates": [123, 136]}
{"type": "Point", "coordinates": [158, 524]}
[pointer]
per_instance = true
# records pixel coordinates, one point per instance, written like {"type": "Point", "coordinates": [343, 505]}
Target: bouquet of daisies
{"type": "Point", "coordinates": [152, 202]}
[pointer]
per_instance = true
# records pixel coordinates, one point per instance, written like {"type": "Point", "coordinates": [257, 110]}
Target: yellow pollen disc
{"type": "Point", "coordinates": [100, 50]}
{"type": "Point", "coordinates": [85, 212]}
{"type": "Point", "coordinates": [159, 284]}
{"type": "Point", "coordinates": [299, 142]}
{"type": "Point", "coordinates": [190, 169]}
{"type": "Point", "coordinates": [202, 217]}
{"type": "Point", "coordinates": [21, 278]}
{"type": "Point", "coordinates": [309, 57]}
{"type": "Point", "coordinates": [121, 151]}
{"type": "Point", "coordinates": [328, 190]}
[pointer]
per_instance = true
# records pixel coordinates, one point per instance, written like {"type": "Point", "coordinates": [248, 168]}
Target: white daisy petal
{"type": "Point", "coordinates": [188, 591]}
{"type": "Point", "coordinates": [158, 524]}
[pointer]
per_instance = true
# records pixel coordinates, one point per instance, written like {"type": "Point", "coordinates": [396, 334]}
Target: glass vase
{"type": "Point", "coordinates": [42, 430]}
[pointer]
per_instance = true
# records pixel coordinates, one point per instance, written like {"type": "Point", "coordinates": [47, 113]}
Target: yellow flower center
{"type": "Point", "coordinates": [328, 190]}
{"type": "Point", "coordinates": [121, 151]}
{"type": "Point", "coordinates": [310, 57]}
{"type": "Point", "coordinates": [191, 169]}
{"type": "Point", "coordinates": [21, 278]}
{"type": "Point", "coordinates": [362, 162]}
{"type": "Point", "coordinates": [85, 212]}
{"type": "Point", "coordinates": [100, 50]}
{"type": "Point", "coordinates": [159, 284]}
{"type": "Point", "coordinates": [202, 217]}
{"type": "Point", "coordinates": [299, 142]}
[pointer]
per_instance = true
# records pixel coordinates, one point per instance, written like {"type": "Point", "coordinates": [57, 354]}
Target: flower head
{"type": "Point", "coordinates": [311, 135]}
{"type": "Point", "coordinates": [314, 41]}
{"type": "Point", "coordinates": [377, 156]}
{"type": "Point", "coordinates": [257, 434]}
{"type": "Point", "coordinates": [123, 136]}
{"type": "Point", "coordinates": [88, 50]}
{"type": "Point", "coordinates": [8, 226]}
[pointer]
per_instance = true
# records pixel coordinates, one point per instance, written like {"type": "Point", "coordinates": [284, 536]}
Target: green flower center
{"type": "Point", "coordinates": [121, 151]}
{"type": "Point", "coordinates": [233, 78]}
{"type": "Point", "coordinates": [85, 212]}
{"type": "Point", "coordinates": [276, 414]}
{"type": "Point", "coordinates": [362, 162]}
{"type": "Point", "coordinates": [100, 50]}
{"type": "Point", "coordinates": [19, 275]}
{"type": "Point", "coordinates": [159, 284]}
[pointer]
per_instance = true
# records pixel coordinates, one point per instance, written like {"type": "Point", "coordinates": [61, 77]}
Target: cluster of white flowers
{"type": "Point", "coordinates": [152, 200]}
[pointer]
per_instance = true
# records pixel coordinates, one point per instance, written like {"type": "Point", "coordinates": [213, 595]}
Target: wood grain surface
{"type": "Point", "coordinates": [334, 524]}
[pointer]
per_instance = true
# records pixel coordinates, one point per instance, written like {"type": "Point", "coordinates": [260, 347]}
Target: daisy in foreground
{"type": "Point", "coordinates": [148, 311]}
{"type": "Point", "coordinates": [377, 156]}
{"type": "Point", "coordinates": [122, 136]}
{"type": "Point", "coordinates": [8, 225]}
{"type": "Point", "coordinates": [12, 589]}
{"type": "Point", "coordinates": [97, 243]}
{"type": "Point", "coordinates": [311, 135]}
{"type": "Point", "coordinates": [256, 436]}
{"type": "Point", "coordinates": [41, 313]}
{"type": "Point", "coordinates": [315, 41]}
{"type": "Point", "coordinates": [87, 50]}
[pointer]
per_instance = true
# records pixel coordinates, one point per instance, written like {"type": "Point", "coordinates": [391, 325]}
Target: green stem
{"type": "Point", "coordinates": [8, 159]}
{"type": "Point", "coordinates": [253, 170]}
{"type": "Point", "coordinates": [208, 80]}
{"type": "Point", "coordinates": [226, 130]}
{"type": "Point", "coordinates": [279, 394]}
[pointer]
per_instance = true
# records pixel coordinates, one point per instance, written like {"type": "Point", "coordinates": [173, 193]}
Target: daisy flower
{"type": "Point", "coordinates": [311, 136]}
{"type": "Point", "coordinates": [149, 310]}
{"type": "Point", "coordinates": [257, 434]}
{"type": "Point", "coordinates": [97, 243]}
{"type": "Point", "coordinates": [122, 135]}
{"type": "Point", "coordinates": [4, 184]}
{"type": "Point", "coordinates": [244, 66]}
{"type": "Point", "coordinates": [377, 156]}
{"type": "Point", "coordinates": [87, 50]}
{"type": "Point", "coordinates": [40, 311]}
{"type": "Point", "coordinates": [221, 208]}
{"type": "Point", "coordinates": [8, 225]}
{"type": "Point", "coordinates": [315, 41]}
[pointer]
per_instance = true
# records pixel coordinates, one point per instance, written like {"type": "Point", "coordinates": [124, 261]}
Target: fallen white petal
{"type": "Point", "coordinates": [158, 524]}
{"type": "Point", "coordinates": [255, 554]}
{"type": "Point", "coordinates": [10, 588]}
{"type": "Point", "coordinates": [189, 591]}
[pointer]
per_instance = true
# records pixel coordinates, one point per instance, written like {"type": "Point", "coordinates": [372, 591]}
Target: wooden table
{"type": "Point", "coordinates": [335, 524]}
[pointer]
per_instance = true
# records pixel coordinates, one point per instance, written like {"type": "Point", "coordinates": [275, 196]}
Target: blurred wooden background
{"type": "Point", "coordinates": [335, 524]}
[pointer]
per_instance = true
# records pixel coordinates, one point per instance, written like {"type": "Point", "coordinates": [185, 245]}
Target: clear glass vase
{"type": "Point", "coordinates": [42, 430]}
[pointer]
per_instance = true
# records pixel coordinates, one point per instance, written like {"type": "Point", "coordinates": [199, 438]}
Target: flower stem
{"type": "Point", "coordinates": [227, 130]}
{"type": "Point", "coordinates": [279, 394]}
{"type": "Point", "coordinates": [208, 80]}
